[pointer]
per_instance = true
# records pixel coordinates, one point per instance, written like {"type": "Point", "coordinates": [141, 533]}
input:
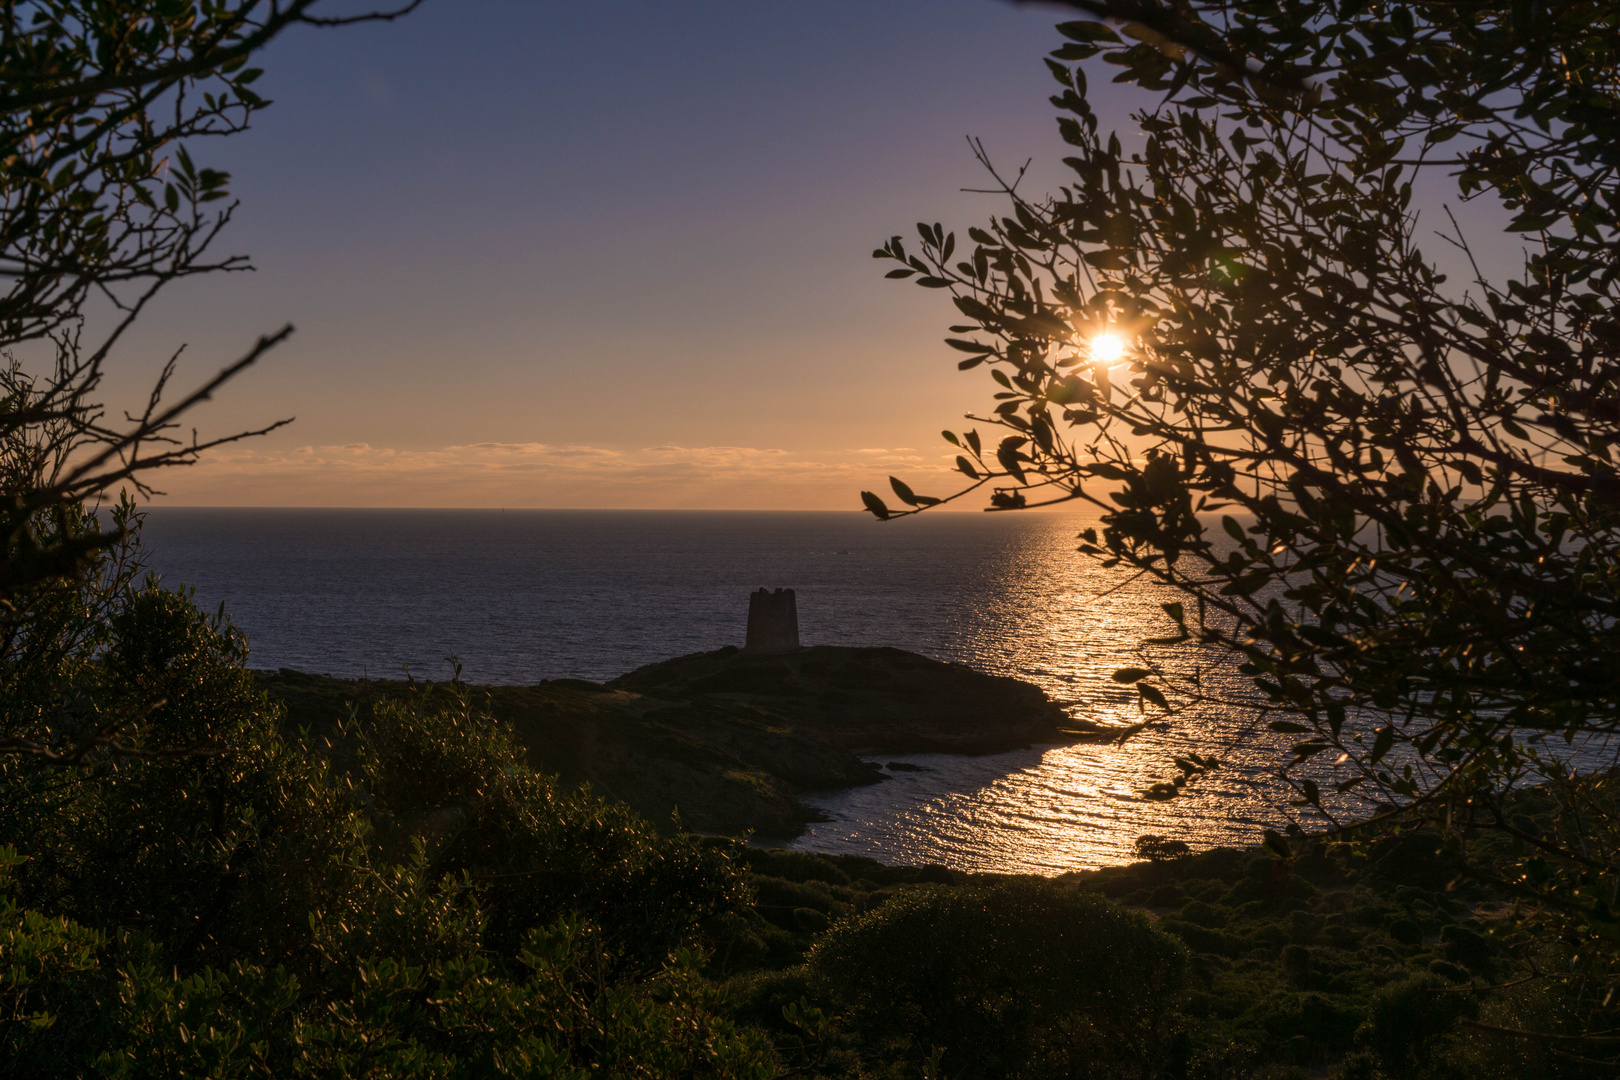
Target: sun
{"type": "Point", "coordinates": [1107, 349]}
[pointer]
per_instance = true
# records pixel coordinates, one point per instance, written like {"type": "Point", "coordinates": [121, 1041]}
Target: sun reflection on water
{"type": "Point", "coordinates": [1058, 620]}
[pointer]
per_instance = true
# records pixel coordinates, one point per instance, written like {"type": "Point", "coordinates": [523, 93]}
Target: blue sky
{"type": "Point", "coordinates": [604, 254]}
{"type": "Point", "coordinates": [610, 254]}
{"type": "Point", "coordinates": [601, 253]}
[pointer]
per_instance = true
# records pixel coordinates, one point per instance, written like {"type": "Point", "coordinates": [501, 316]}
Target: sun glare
{"type": "Point", "coordinates": [1107, 349]}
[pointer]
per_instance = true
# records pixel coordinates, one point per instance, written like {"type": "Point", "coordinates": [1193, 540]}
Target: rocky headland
{"type": "Point", "coordinates": [732, 739]}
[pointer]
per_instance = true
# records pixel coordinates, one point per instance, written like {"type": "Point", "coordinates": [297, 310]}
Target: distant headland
{"type": "Point", "coordinates": [733, 738]}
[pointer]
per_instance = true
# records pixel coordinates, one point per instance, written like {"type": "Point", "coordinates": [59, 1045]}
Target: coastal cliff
{"type": "Point", "coordinates": [731, 739]}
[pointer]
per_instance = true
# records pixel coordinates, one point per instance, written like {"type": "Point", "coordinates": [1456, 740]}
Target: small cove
{"type": "Point", "coordinates": [520, 596]}
{"type": "Point", "coordinates": [1045, 810]}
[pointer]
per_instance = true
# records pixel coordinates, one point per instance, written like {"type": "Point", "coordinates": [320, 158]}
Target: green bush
{"type": "Point", "coordinates": [202, 828]}
{"type": "Point", "coordinates": [50, 985]}
{"type": "Point", "coordinates": [203, 893]}
{"type": "Point", "coordinates": [1408, 1020]}
{"type": "Point", "coordinates": [434, 773]}
{"type": "Point", "coordinates": [1025, 977]}
{"type": "Point", "coordinates": [81, 1006]}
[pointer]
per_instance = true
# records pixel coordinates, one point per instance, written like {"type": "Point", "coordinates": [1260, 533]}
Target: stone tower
{"type": "Point", "coordinates": [773, 622]}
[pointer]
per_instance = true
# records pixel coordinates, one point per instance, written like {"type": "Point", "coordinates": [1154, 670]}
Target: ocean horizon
{"type": "Point", "coordinates": [518, 596]}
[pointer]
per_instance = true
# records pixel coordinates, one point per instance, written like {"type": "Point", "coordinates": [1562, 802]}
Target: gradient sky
{"type": "Point", "coordinates": [604, 254]}
{"type": "Point", "coordinates": [613, 254]}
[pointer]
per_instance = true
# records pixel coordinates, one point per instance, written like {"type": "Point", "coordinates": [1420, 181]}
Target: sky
{"type": "Point", "coordinates": [614, 254]}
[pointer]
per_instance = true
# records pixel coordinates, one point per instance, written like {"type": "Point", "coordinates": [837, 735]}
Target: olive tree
{"type": "Point", "coordinates": [101, 201]}
{"type": "Point", "coordinates": [102, 205]}
{"type": "Point", "coordinates": [1386, 492]}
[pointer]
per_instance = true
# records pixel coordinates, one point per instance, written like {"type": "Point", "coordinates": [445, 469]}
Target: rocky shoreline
{"type": "Point", "coordinates": [732, 739]}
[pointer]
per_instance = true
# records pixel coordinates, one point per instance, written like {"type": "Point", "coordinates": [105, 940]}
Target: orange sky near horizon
{"type": "Point", "coordinates": [540, 476]}
{"type": "Point", "coordinates": [608, 255]}
{"type": "Point", "coordinates": [613, 255]}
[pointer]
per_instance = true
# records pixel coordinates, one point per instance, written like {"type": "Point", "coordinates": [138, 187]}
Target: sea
{"type": "Point", "coordinates": [517, 596]}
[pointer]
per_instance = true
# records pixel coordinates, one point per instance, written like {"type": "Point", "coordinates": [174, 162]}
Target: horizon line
{"type": "Point", "coordinates": [559, 509]}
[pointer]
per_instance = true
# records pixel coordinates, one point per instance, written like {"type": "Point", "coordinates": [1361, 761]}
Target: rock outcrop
{"type": "Point", "coordinates": [732, 738]}
{"type": "Point", "coordinates": [875, 700]}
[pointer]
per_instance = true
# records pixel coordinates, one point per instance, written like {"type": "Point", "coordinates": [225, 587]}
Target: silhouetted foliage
{"type": "Point", "coordinates": [1390, 498]}
{"type": "Point", "coordinates": [1022, 978]}
{"type": "Point", "coordinates": [440, 774]}
{"type": "Point", "coordinates": [101, 202]}
{"type": "Point", "coordinates": [427, 905]}
{"type": "Point", "coordinates": [1158, 848]}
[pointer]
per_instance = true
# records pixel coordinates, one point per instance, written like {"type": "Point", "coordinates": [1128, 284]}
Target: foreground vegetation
{"type": "Point", "coordinates": [403, 894]}
{"type": "Point", "coordinates": [213, 896]}
{"type": "Point", "coordinates": [1223, 964]}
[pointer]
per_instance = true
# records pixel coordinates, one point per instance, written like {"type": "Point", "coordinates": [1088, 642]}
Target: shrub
{"type": "Point", "coordinates": [1159, 849]}
{"type": "Point", "coordinates": [211, 896]}
{"type": "Point", "coordinates": [204, 829]}
{"type": "Point", "coordinates": [1022, 978]}
{"type": "Point", "coordinates": [435, 773]}
{"type": "Point", "coordinates": [78, 1006]}
{"type": "Point", "coordinates": [1408, 1019]}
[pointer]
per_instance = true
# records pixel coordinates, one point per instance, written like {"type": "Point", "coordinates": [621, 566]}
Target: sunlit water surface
{"type": "Point", "coordinates": [521, 596]}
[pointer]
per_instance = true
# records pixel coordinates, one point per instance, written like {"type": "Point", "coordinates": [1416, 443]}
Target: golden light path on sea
{"type": "Point", "coordinates": [1066, 624]}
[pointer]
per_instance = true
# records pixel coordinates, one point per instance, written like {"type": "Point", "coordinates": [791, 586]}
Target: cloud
{"type": "Point", "coordinates": [544, 475]}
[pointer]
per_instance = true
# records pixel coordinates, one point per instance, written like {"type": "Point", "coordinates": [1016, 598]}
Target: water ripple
{"type": "Point", "coordinates": [523, 595]}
